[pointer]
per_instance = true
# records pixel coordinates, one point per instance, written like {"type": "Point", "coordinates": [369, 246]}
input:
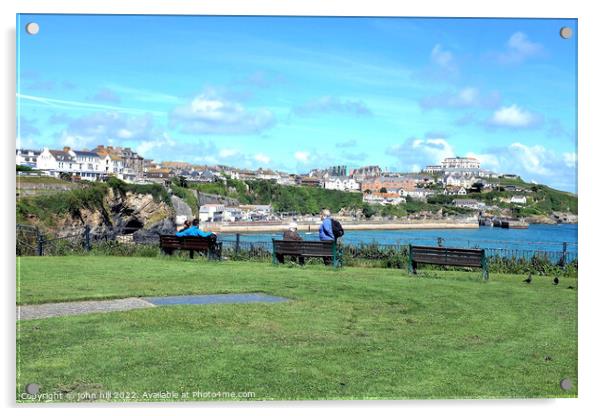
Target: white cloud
{"type": "Point", "coordinates": [466, 97]}
{"type": "Point", "coordinates": [261, 158]}
{"type": "Point", "coordinates": [518, 49]}
{"type": "Point", "coordinates": [302, 156]}
{"type": "Point", "coordinates": [532, 163]}
{"type": "Point", "coordinates": [124, 134]}
{"type": "Point", "coordinates": [163, 142]}
{"type": "Point", "coordinates": [442, 58]}
{"type": "Point", "coordinates": [514, 116]}
{"type": "Point", "coordinates": [210, 114]}
{"type": "Point", "coordinates": [570, 159]}
{"type": "Point", "coordinates": [227, 152]}
{"type": "Point", "coordinates": [330, 104]}
{"type": "Point", "coordinates": [415, 153]}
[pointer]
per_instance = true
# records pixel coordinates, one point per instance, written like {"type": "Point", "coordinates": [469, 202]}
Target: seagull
{"type": "Point", "coordinates": [528, 279]}
{"type": "Point", "coordinates": [556, 280]}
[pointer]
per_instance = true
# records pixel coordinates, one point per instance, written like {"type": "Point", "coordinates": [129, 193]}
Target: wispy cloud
{"type": "Point", "coordinates": [536, 163]}
{"type": "Point", "coordinates": [330, 104]}
{"type": "Point", "coordinates": [210, 114]}
{"type": "Point", "coordinates": [442, 58]}
{"type": "Point", "coordinates": [518, 49]}
{"type": "Point", "coordinates": [106, 95]}
{"type": "Point", "coordinates": [106, 127]}
{"type": "Point", "coordinates": [468, 97]}
{"type": "Point", "coordinates": [346, 143]}
{"type": "Point", "coordinates": [80, 105]}
{"type": "Point", "coordinates": [144, 95]}
{"type": "Point", "coordinates": [415, 153]}
{"type": "Point", "coordinates": [514, 117]}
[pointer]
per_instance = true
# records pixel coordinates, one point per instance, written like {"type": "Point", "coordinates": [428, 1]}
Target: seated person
{"type": "Point", "coordinates": [194, 231]}
{"type": "Point", "coordinates": [291, 235]}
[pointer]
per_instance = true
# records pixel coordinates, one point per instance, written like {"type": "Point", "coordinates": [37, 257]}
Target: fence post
{"type": "Point", "coordinates": [237, 245]}
{"type": "Point", "coordinates": [564, 253]}
{"type": "Point", "coordinates": [40, 244]}
{"type": "Point", "coordinates": [87, 246]}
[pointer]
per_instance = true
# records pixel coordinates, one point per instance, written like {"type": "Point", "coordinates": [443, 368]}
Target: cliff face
{"type": "Point", "coordinates": [138, 215]}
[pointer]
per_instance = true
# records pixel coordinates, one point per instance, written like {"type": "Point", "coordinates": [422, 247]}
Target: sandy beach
{"type": "Point", "coordinates": [263, 228]}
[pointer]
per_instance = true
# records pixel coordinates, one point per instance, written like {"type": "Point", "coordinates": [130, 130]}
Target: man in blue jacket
{"type": "Point", "coordinates": [325, 231]}
{"type": "Point", "coordinates": [193, 231]}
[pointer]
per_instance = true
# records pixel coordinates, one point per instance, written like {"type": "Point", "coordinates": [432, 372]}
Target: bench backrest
{"type": "Point", "coordinates": [169, 241]}
{"type": "Point", "coordinates": [447, 256]}
{"type": "Point", "coordinates": [185, 243]}
{"type": "Point", "coordinates": [305, 248]}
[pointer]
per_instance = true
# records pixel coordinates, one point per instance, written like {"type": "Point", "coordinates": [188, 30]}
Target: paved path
{"type": "Point", "coordinates": [49, 310]}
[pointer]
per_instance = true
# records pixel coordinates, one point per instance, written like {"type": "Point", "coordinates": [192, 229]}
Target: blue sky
{"type": "Point", "coordinates": [295, 93]}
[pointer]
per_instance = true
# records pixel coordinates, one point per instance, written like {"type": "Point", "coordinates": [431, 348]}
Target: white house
{"type": "Point", "coordinates": [87, 164]}
{"type": "Point", "coordinates": [457, 179]}
{"type": "Point", "coordinates": [232, 214]}
{"type": "Point", "coordinates": [211, 212]}
{"type": "Point", "coordinates": [468, 203]}
{"type": "Point", "coordinates": [419, 193]}
{"type": "Point", "coordinates": [454, 190]}
{"type": "Point", "coordinates": [285, 179]}
{"type": "Point", "coordinates": [26, 157]}
{"type": "Point", "coordinates": [341, 183]}
{"type": "Point", "coordinates": [518, 199]}
{"type": "Point", "coordinates": [56, 161]}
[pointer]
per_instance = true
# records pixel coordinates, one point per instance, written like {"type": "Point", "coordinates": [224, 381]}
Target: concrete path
{"type": "Point", "coordinates": [49, 310]}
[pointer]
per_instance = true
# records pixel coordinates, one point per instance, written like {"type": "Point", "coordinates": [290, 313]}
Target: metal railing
{"type": "Point", "coordinates": [32, 242]}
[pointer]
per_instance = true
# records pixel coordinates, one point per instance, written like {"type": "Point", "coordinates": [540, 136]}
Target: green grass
{"type": "Point", "coordinates": [346, 334]}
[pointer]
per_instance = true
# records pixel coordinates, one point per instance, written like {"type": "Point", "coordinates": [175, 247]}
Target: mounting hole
{"type": "Point", "coordinates": [566, 384]}
{"type": "Point", "coordinates": [566, 32]}
{"type": "Point", "coordinates": [32, 28]}
{"type": "Point", "coordinates": [32, 389]}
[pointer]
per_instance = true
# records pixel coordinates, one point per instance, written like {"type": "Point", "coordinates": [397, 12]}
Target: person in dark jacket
{"type": "Point", "coordinates": [291, 234]}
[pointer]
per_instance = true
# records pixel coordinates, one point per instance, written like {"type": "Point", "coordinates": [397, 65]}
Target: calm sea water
{"type": "Point", "coordinates": [536, 237]}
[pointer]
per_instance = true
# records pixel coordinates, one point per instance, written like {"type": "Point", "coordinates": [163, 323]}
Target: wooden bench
{"type": "Point", "coordinates": [304, 249]}
{"type": "Point", "coordinates": [169, 243]}
{"type": "Point", "coordinates": [447, 256]}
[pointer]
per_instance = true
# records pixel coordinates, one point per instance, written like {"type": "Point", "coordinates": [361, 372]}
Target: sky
{"type": "Point", "coordinates": [296, 93]}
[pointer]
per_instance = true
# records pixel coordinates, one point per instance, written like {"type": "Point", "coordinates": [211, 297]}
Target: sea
{"type": "Point", "coordinates": [538, 237]}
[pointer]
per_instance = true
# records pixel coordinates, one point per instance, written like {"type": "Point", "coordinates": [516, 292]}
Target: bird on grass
{"type": "Point", "coordinates": [556, 281]}
{"type": "Point", "coordinates": [528, 279]}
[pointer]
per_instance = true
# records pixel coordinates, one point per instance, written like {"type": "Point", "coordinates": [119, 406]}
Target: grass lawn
{"type": "Point", "coordinates": [355, 333]}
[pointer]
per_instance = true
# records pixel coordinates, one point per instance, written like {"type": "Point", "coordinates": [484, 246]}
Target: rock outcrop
{"type": "Point", "coordinates": [139, 215]}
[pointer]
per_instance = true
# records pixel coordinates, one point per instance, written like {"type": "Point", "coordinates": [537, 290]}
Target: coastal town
{"type": "Point", "coordinates": [455, 179]}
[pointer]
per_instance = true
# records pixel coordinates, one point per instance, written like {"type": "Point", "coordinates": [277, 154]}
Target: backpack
{"type": "Point", "coordinates": [337, 229]}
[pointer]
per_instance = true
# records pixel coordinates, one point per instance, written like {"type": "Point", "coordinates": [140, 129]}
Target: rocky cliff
{"type": "Point", "coordinates": [138, 215]}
